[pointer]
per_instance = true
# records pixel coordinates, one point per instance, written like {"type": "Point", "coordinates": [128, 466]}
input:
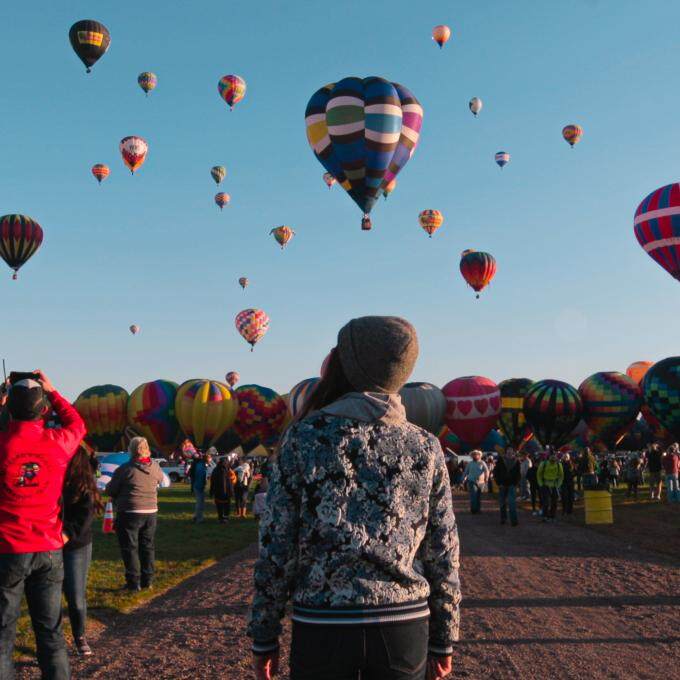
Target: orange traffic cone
{"type": "Point", "coordinates": [107, 527]}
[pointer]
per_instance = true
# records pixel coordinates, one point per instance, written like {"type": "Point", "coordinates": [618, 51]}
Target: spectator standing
{"type": "Point", "coordinates": [33, 463]}
{"type": "Point", "coordinates": [507, 475]}
{"type": "Point", "coordinates": [476, 475]}
{"type": "Point", "coordinates": [567, 490]}
{"type": "Point", "coordinates": [654, 468]}
{"type": "Point", "coordinates": [587, 468]}
{"type": "Point", "coordinates": [671, 466]}
{"type": "Point", "coordinates": [550, 477]}
{"type": "Point", "coordinates": [134, 490]}
{"type": "Point", "coordinates": [533, 487]}
{"type": "Point", "coordinates": [614, 470]}
{"type": "Point", "coordinates": [198, 475]}
{"type": "Point", "coordinates": [222, 489]}
{"type": "Point", "coordinates": [633, 477]}
{"type": "Point", "coordinates": [243, 477]}
{"type": "Point", "coordinates": [525, 465]}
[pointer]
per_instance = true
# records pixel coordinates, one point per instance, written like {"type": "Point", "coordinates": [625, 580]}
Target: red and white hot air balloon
{"type": "Point", "coordinates": [133, 150]}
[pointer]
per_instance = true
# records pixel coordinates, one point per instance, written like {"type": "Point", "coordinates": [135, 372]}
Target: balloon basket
{"type": "Point", "coordinates": [15, 276]}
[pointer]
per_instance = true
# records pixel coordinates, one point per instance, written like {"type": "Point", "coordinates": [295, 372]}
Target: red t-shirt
{"type": "Point", "coordinates": [33, 462]}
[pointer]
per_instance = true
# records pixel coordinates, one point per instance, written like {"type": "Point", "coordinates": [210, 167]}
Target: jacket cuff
{"type": "Point", "coordinates": [262, 647]}
{"type": "Point", "coordinates": [436, 649]}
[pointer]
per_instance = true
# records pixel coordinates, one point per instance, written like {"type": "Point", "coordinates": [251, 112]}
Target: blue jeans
{"type": "Point", "coordinates": [672, 489]}
{"type": "Point", "coordinates": [136, 532]}
{"type": "Point", "coordinates": [76, 566]}
{"type": "Point", "coordinates": [40, 576]}
{"type": "Point", "coordinates": [475, 490]}
{"type": "Point", "coordinates": [507, 499]}
{"type": "Point", "coordinates": [200, 504]}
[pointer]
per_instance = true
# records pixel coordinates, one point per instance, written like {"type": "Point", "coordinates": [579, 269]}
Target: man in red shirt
{"type": "Point", "coordinates": [33, 461]}
{"type": "Point", "coordinates": [671, 465]}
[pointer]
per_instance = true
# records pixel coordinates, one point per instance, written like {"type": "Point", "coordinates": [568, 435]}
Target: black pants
{"type": "Point", "coordinates": [549, 498]}
{"type": "Point", "coordinates": [223, 508]}
{"type": "Point", "coordinates": [533, 485]}
{"type": "Point", "coordinates": [567, 499]}
{"type": "Point", "coordinates": [240, 495]}
{"type": "Point", "coordinates": [377, 652]}
{"type": "Point", "coordinates": [136, 531]}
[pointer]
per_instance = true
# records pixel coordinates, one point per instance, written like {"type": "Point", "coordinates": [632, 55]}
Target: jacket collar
{"type": "Point", "coordinates": [368, 407]}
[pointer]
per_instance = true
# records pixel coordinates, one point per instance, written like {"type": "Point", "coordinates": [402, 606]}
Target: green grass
{"type": "Point", "coordinates": [182, 549]}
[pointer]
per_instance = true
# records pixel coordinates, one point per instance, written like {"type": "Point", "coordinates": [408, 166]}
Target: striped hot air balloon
{"type": "Point", "coordinates": [389, 188]}
{"type": "Point", "coordinates": [511, 420]}
{"type": "Point", "coordinates": [104, 410]}
{"type": "Point", "coordinates": [572, 134]}
{"type": "Point", "coordinates": [252, 324]}
{"type": "Point", "coordinates": [100, 172]}
{"type": "Point", "coordinates": [232, 89]}
{"type": "Point", "coordinates": [425, 405]}
{"type": "Point", "coordinates": [502, 158]}
{"type": "Point", "coordinates": [553, 409]}
{"type": "Point", "coordinates": [478, 269]}
{"type": "Point", "coordinates": [430, 221]}
{"type": "Point", "coordinates": [151, 413]}
{"type": "Point", "coordinates": [222, 199]}
{"type": "Point", "coordinates": [20, 238]}
{"type": "Point", "coordinates": [298, 395]}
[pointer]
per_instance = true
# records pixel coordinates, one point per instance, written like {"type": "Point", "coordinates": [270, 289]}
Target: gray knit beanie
{"type": "Point", "coordinates": [377, 353]}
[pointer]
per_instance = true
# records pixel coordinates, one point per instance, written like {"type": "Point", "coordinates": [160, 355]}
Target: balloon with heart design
{"type": "Point", "coordinates": [472, 407]}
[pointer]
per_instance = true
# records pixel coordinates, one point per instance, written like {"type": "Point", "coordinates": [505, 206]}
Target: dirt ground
{"type": "Point", "coordinates": [540, 601]}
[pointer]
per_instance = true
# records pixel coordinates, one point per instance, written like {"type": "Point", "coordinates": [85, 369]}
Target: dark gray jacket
{"type": "Point", "coordinates": [134, 487]}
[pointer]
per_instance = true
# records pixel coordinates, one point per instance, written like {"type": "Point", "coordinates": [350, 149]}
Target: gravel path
{"type": "Point", "coordinates": [540, 601]}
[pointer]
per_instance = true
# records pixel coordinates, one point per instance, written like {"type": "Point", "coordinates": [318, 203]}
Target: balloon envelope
{"type": "Point", "coordinates": [222, 199]}
{"type": "Point", "coordinates": [104, 410]}
{"type": "Point", "coordinates": [661, 389]}
{"type": "Point", "coordinates": [297, 397]}
{"type": "Point", "coordinates": [425, 405]}
{"type": "Point", "coordinates": [89, 40]}
{"type": "Point", "coordinates": [151, 413]}
{"type": "Point", "coordinates": [133, 150]}
{"type": "Point", "coordinates": [502, 158]}
{"type": "Point", "coordinates": [553, 409]}
{"type": "Point", "coordinates": [478, 269]}
{"type": "Point", "coordinates": [638, 369]}
{"type": "Point", "coordinates": [232, 378]}
{"type": "Point", "coordinates": [475, 105]}
{"type": "Point", "coordinates": [147, 81]}
{"type": "Point", "coordinates": [261, 414]}
{"type": "Point", "coordinates": [100, 172]}
{"type": "Point", "coordinates": [430, 221]}
{"type": "Point", "coordinates": [472, 407]}
{"type": "Point", "coordinates": [218, 173]}
{"type": "Point", "coordinates": [282, 234]}
{"type": "Point", "coordinates": [232, 89]}
{"type": "Point", "coordinates": [511, 420]}
{"type": "Point", "coordinates": [441, 34]}
{"type": "Point", "coordinates": [252, 324]}
{"type": "Point", "coordinates": [572, 134]}
{"type": "Point", "coordinates": [20, 238]}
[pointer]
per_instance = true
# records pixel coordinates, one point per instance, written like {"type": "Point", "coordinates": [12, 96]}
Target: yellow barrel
{"type": "Point", "coordinates": [598, 507]}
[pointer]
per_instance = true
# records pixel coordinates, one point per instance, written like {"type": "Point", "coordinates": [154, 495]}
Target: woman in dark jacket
{"type": "Point", "coordinates": [81, 501]}
{"type": "Point", "coordinates": [507, 475]}
{"type": "Point", "coordinates": [222, 489]}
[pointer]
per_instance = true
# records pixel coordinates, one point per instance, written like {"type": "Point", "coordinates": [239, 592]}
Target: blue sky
{"type": "Point", "coordinates": [574, 292]}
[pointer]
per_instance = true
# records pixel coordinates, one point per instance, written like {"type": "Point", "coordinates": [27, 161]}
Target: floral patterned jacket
{"type": "Point", "coordinates": [359, 528]}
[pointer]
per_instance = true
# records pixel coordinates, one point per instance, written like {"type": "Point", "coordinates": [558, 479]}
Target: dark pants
{"type": "Point", "coordinates": [223, 509]}
{"type": "Point", "coordinates": [40, 576]}
{"type": "Point", "coordinates": [535, 497]}
{"type": "Point", "coordinates": [76, 565]}
{"type": "Point", "coordinates": [475, 491]}
{"type": "Point", "coordinates": [136, 531]}
{"type": "Point", "coordinates": [549, 501]}
{"type": "Point", "coordinates": [567, 498]}
{"type": "Point", "coordinates": [507, 499]}
{"type": "Point", "coordinates": [241, 496]}
{"type": "Point", "coordinates": [378, 652]}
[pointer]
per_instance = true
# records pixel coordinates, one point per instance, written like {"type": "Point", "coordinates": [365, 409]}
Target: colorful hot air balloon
{"type": "Point", "coordinates": [20, 237]}
{"type": "Point", "coordinates": [472, 407]}
{"type": "Point", "coordinates": [104, 410]}
{"type": "Point", "coordinates": [425, 405]}
{"type": "Point", "coordinates": [661, 389]}
{"type": "Point", "coordinates": [89, 40]}
{"type": "Point", "coordinates": [133, 150]}
{"type": "Point", "coordinates": [363, 131]}
{"type": "Point", "coordinates": [476, 105]}
{"type": "Point", "coordinates": [299, 394]}
{"type": "Point", "coordinates": [611, 403]}
{"type": "Point", "coordinates": [282, 235]}
{"type": "Point", "coordinates": [389, 188]}
{"type": "Point", "coordinates": [657, 227]}
{"type": "Point", "coordinates": [100, 172]}
{"type": "Point", "coordinates": [441, 35]}
{"type": "Point", "coordinates": [638, 369]}
{"type": "Point", "coordinates": [502, 158]}
{"type": "Point", "coordinates": [243, 282]}
{"type": "Point", "coordinates": [147, 81]}
{"type": "Point", "coordinates": [151, 413]}
{"type": "Point", "coordinates": [205, 410]}
{"type": "Point", "coordinates": [553, 409]}
{"type": "Point", "coordinates": [261, 414]}
{"type": "Point", "coordinates": [134, 329]}
{"type": "Point", "coordinates": [222, 199]}
{"type": "Point", "coordinates": [658, 431]}
{"type": "Point", "coordinates": [511, 420]}
{"type": "Point", "coordinates": [430, 221]}
{"type": "Point", "coordinates": [572, 134]}
{"type": "Point", "coordinates": [252, 324]}
{"type": "Point", "coordinates": [232, 378]}
{"type": "Point", "coordinates": [218, 173]}
{"type": "Point", "coordinates": [329, 179]}
{"type": "Point", "coordinates": [232, 89]}
{"type": "Point", "coordinates": [478, 269]}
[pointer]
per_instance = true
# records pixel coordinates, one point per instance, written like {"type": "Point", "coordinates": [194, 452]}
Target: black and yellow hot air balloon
{"type": "Point", "coordinates": [89, 40]}
{"type": "Point", "coordinates": [20, 237]}
{"type": "Point", "coordinates": [104, 410]}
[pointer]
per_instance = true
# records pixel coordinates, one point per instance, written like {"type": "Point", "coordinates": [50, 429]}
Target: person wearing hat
{"type": "Point", "coordinates": [33, 463]}
{"type": "Point", "coordinates": [358, 527]}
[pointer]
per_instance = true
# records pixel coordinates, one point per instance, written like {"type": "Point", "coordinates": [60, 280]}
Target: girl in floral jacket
{"type": "Point", "coordinates": [359, 529]}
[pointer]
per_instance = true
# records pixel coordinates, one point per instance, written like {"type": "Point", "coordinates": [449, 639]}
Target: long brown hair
{"type": "Point", "coordinates": [80, 481]}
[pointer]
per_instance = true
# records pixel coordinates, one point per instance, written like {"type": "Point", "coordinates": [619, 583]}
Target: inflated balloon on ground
{"type": "Point", "coordinates": [261, 414]}
{"type": "Point", "coordinates": [661, 389]}
{"type": "Point", "coordinates": [425, 405]}
{"type": "Point", "coordinates": [104, 410]}
{"type": "Point", "coordinates": [298, 395]}
{"type": "Point", "coordinates": [511, 420]}
{"type": "Point", "coordinates": [472, 407]}
{"type": "Point", "coordinates": [553, 409]}
{"type": "Point", "coordinates": [151, 413]}
{"type": "Point", "coordinates": [638, 369]}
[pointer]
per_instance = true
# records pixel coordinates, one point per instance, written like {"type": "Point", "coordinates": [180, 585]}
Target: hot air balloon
{"type": "Point", "coordinates": [232, 378]}
{"type": "Point", "coordinates": [478, 269]}
{"type": "Point", "coordinates": [389, 188]}
{"type": "Point", "coordinates": [611, 403]}
{"type": "Point", "coordinates": [476, 105]}
{"type": "Point", "coordinates": [20, 237]}
{"type": "Point", "coordinates": [553, 409]}
{"type": "Point", "coordinates": [502, 158]}
{"type": "Point", "coordinates": [232, 89]}
{"type": "Point", "coordinates": [297, 397]}
{"type": "Point", "coordinates": [205, 410]}
{"type": "Point", "coordinates": [134, 150]}
{"type": "Point", "coordinates": [282, 235]}
{"type": "Point", "coordinates": [661, 389]}
{"type": "Point", "coordinates": [243, 282]}
{"type": "Point", "coordinates": [638, 369]}
{"type": "Point", "coordinates": [657, 430]}
{"type": "Point", "coordinates": [222, 199]}
{"type": "Point", "coordinates": [472, 407]}
{"type": "Point", "coordinates": [363, 131]}
{"type": "Point", "coordinates": [572, 134]}
{"type": "Point", "coordinates": [657, 227]}
{"type": "Point", "coordinates": [425, 405]}
{"type": "Point", "coordinates": [134, 329]}
{"type": "Point", "coordinates": [151, 413]}
{"type": "Point", "coordinates": [147, 81]}
{"type": "Point", "coordinates": [261, 414]}
{"type": "Point", "coordinates": [430, 221]}
{"type": "Point", "coordinates": [511, 420]}
{"type": "Point", "coordinates": [104, 410]}
{"type": "Point", "coordinates": [441, 35]}
{"type": "Point", "coordinates": [218, 173]}
{"type": "Point", "coordinates": [100, 172]}
{"type": "Point", "coordinates": [252, 324]}
{"type": "Point", "coordinates": [89, 40]}
{"type": "Point", "coordinates": [329, 179]}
